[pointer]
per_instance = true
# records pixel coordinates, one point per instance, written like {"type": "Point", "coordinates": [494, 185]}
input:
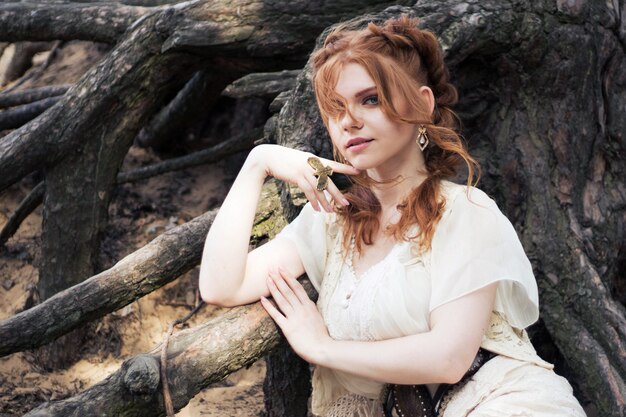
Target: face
{"type": "Point", "coordinates": [365, 136]}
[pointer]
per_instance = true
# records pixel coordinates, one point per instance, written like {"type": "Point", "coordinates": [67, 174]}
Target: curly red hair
{"type": "Point", "coordinates": [400, 58]}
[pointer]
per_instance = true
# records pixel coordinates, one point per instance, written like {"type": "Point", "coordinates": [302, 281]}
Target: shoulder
{"type": "Point", "coordinates": [461, 197]}
{"type": "Point", "coordinates": [471, 211]}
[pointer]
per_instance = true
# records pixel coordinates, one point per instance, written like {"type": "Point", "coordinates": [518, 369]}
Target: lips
{"type": "Point", "coordinates": [357, 141]}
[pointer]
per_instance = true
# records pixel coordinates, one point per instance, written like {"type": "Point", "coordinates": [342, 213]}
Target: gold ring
{"type": "Point", "coordinates": [321, 172]}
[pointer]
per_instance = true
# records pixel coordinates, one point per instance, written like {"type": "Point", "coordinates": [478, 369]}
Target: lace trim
{"type": "Point", "coordinates": [353, 405]}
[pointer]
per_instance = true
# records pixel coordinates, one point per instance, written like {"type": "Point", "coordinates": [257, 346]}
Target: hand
{"type": "Point", "coordinates": [298, 317]}
{"type": "Point", "coordinates": [291, 165]}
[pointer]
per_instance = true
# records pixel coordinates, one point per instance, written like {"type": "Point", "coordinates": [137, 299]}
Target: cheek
{"type": "Point", "coordinates": [335, 133]}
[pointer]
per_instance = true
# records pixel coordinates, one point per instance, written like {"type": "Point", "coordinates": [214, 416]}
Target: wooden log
{"type": "Point", "coordinates": [32, 95]}
{"type": "Point", "coordinates": [18, 116]}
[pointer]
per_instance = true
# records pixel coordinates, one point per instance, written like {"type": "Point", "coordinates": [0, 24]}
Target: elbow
{"type": "Point", "coordinates": [213, 298]}
{"type": "Point", "coordinates": [209, 295]}
{"type": "Point", "coordinates": [216, 300]}
{"type": "Point", "coordinates": [456, 366]}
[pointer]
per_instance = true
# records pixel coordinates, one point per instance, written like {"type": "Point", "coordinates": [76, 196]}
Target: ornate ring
{"type": "Point", "coordinates": [321, 172]}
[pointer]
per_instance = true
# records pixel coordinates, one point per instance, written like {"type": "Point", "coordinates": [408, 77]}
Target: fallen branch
{"type": "Point", "coordinates": [215, 153]}
{"type": "Point", "coordinates": [191, 103]}
{"type": "Point", "coordinates": [268, 84]}
{"type": "Point", "coordinates": [161, 261]}
{"type": "Point", "coordinates": [27, 206]}
{"type": "Point", "coordinates": [31, 95]}
{"type": "Point", "coordinates": [20, 115]}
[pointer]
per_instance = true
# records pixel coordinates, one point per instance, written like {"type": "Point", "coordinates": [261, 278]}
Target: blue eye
{"type": "Point", "coordinates": [371, 100]}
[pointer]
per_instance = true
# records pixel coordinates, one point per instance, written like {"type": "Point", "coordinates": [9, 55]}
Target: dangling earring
{"type": "Point", "coordinates": [422, 138]}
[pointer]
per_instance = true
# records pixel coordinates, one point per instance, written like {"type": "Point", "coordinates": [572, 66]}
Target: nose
{"type": "Point", "coordinates": [350, 121]}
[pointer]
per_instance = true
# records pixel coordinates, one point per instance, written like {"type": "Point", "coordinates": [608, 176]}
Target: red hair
{"type": "Point", "coordinates": [400, 58]}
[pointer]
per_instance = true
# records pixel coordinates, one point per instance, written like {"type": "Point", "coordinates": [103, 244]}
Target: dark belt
{"type": "Point", "coordinates": [415, 400]}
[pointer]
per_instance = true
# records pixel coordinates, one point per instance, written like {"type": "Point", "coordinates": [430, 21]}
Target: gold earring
{"type": "Point", "coordinates": [422, 138]}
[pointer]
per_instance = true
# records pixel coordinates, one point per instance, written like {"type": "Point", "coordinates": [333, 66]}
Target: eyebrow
{"type": "Point", "coordinates": [366, 91]}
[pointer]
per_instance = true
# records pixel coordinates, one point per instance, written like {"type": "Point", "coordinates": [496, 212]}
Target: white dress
{"type": "Point", "coordinates": [474, 245]}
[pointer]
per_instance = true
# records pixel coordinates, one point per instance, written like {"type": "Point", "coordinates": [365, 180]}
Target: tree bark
{"type": "Point", "coordinates": [542, 117]}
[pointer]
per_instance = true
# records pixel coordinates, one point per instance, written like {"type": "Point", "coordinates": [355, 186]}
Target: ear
{"type": "Point", "coordinates": [429, 98]}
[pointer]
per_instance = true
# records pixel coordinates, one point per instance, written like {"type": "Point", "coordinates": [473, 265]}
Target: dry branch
{"type": "Point", "coordinates": [18, 116]}
{"type": "Point", "coordinates": [192, 102]}
{"type": "Point", "coordinates": [32, 95]}
{"type": "Point", "coordinates": [239, 143]}
{"type": "Point", "coordinates": [262, 84]}
{"type": "Point", "coordinates": [154, 265]}
{"type": "Point", "coordinates": [27, 206]}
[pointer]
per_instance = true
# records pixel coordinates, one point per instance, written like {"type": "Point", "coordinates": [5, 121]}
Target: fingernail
{"type": "Point", "coordinates": [345, 202]}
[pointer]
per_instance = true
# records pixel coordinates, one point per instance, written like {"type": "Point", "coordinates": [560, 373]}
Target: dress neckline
{"type": "Point", "coordinates": [350, 264]}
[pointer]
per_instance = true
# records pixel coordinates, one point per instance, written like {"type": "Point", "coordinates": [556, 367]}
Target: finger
{"type": "Point", "coordinates": [282, 303]}
{"type": "Point", "coordinates": [273, 312]}
{"type": "Point", "coordinates": [342, 168]}
{"type": "Point", "coordinates": [286, 291]}
{"type": "Point", "coordinates": [296, 287]}
{"type": "Point", "coordinates": [319, 195]}
{"type": "Point", "coordinates": [309, 193]}
{"type": "Point", "coordinates": [324, 201]}
{"type": "Point", "coordinates": [336, 194]}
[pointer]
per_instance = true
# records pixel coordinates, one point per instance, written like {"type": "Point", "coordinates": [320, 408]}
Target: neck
{"type": "Point", "coordinates": [398, 182]}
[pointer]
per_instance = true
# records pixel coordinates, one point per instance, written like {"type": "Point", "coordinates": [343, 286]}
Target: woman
{"type": "Point", "coordinates": [415, 274]}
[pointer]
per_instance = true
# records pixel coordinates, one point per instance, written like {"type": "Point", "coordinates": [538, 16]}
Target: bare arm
{"type": "Point", "coordinates": [441, 355]}
{"type": "Point", "coordinates": [230, 276]}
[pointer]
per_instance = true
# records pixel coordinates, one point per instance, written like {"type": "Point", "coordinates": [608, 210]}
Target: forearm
{"type": "Point", "coordinates": [415, 359]}
{"type": "Point", "coordinates": [226, 247]}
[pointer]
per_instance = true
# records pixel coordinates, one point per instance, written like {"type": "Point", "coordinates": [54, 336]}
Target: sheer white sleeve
{"type": "Point", "coordinates": [476, 245]}
{"type": "Point", "coordinates": [308, 233]}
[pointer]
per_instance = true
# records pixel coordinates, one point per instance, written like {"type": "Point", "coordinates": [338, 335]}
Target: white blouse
{"type": "Point", "coordinates": [474, 245]}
